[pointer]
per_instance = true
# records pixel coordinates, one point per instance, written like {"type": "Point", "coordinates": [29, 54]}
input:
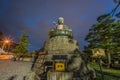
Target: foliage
{"type": "Point", "coordinates": [105, 70]}
{"type": "Point", "coordinates": [1, 33]}
{"type": "Point", "coordinates": [111, 71]}
{"type": "Point", "coordinates": [105, 34]}
{"type": "Point", "coordinates": [22, 45]}
{"type": "Point", "coordinates": [116, 7]}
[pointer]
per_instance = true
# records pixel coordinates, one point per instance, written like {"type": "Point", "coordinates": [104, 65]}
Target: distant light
{"type": "Point", "coordinates": [7, 41]}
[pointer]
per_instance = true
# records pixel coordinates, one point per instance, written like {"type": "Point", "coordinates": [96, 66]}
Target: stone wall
{"type": "Point", "coordinates": [61, 45]}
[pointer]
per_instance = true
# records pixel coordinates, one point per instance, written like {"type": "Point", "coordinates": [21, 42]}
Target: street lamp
{"type": "Point", "coordinates": [6, 42]}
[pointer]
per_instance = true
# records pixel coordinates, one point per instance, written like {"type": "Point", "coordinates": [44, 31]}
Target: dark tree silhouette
{"type": "Point", "coordinates": [116, 7]}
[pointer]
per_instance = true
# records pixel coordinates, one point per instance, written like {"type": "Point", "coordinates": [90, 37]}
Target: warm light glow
{"type": "Point", "coordinates": [7, 41]}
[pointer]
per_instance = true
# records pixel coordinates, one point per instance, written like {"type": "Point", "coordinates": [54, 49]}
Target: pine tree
{"type": "Point", "coordinates": [116, 7]}
{"type": "Point", "coordinates": [21, 48]}
{"type": "Point", "coordinates": [104, 34]}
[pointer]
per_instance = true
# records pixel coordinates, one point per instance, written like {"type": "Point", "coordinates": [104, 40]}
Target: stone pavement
{"type": "Point", "coordinates": [10, 68]}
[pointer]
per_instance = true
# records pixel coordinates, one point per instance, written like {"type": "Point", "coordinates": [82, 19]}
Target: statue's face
{"type": "Point", "coordinates": [60, 26]}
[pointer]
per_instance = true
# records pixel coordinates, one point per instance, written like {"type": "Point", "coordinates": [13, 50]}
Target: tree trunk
{"type": "Point", "coordinates": [119, 62]}
{"type": "Point", "coordinates": [109, 60]}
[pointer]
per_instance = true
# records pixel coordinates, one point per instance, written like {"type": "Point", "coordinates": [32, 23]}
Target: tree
{"type": "Point", "coordinates": [105, 34]}
{"type": "Point", "coordinates": [21, 48]}
{"type": "Point", "coordinates": [1, 35]}
{"type": "Point", "coordinates": [116, 7]}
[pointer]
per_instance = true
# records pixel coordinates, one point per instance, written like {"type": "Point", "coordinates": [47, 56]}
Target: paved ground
{"type": "Point", "coordinates": [9, 68]}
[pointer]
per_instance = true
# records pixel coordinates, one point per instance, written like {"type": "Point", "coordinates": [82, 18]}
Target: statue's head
{"type": "Point", "coordinates": [60, 20]}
